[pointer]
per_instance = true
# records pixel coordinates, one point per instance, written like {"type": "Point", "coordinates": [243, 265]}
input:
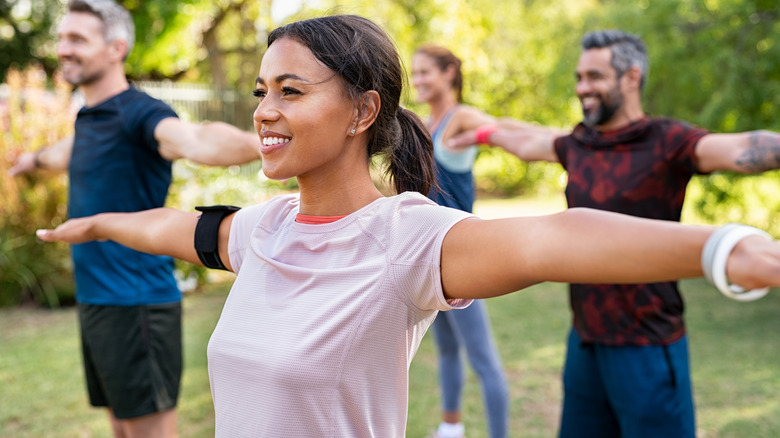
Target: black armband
{"type": "Point", "coordinates": [207, 234]}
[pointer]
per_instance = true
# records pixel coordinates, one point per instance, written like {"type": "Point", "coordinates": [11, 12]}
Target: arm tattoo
{"type": "Point", "coordinates": [763, 152]}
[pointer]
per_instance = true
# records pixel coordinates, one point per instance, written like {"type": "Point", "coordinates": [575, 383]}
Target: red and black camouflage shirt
{"type": "Point", "coordinates": [641, 170]}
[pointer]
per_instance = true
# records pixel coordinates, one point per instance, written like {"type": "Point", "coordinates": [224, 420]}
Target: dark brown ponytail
{"type": "Point", "coordinates": [411, 160]}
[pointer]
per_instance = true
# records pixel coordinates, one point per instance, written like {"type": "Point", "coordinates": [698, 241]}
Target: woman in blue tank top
{"type": "Point", "coordinates": [437, 77]}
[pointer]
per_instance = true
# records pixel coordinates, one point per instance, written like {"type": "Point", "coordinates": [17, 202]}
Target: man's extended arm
{"type": "Point", "coordinates": [213, 143]}
{"type": "Point", "coordinates": [746, 152]}
{"type": "Point", "coordinates": [527, 141]}
{"type": "Point", "coordinates": [54, 157]}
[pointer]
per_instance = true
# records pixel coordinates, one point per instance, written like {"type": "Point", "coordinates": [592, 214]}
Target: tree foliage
{"type": "Point", "coordinates": [214, 41]}
{"type": "Point", "coordinates": [712, 63]}
{"type": "Point", "coordinates": [25, 36]}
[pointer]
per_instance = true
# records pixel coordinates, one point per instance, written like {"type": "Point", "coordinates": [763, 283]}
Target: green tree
{"type": "Point", "coordinates": [25, 36]}
{"type": "Point", "coordinates": [714, 64]}
{"type": "Point", "coordinates": [214, 41]}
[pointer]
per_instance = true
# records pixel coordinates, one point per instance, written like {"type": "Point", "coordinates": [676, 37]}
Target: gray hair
{"type": "Point", "coordinates": [117, 22]}
{"type": "Point", "coordinates": [628, 50]}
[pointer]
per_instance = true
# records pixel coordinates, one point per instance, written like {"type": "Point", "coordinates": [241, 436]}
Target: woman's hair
{"type": "Point", "coordinates": [443, 59]}
{"type": "Point", "coordinates": [363, 55]}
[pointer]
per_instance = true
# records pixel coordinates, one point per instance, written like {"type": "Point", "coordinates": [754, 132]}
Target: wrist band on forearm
{"type": "Point", "coordinates": [483, 133]}
{"type": "Point", "coordinates": [715, 254]}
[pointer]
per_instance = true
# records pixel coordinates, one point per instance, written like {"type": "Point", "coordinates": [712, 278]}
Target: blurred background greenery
{"type": "Point", "coordinates": [713, 63]}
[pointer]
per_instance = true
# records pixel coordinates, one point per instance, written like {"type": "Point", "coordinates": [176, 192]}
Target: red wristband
{"type": "Point", "coordinates": [483, 133]}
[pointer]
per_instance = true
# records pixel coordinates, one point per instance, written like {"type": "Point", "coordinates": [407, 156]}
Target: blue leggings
{"type": "Point", "coordinates": [627, 392]}
{"type": "Point", "coordinates": [470, 328]}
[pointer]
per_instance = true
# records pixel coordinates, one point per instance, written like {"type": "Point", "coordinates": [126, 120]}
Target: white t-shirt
{"type": "Point", "coordinates": [322, 322]}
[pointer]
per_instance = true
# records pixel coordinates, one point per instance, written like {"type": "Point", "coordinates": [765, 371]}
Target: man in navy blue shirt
{"type": "Point", "coordinates": [119, 160]}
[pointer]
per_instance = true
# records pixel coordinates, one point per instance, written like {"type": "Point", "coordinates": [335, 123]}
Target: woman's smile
{"type": "Point", "coordinates": [272, 142]}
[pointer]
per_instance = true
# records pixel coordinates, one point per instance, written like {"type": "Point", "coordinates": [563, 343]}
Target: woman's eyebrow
{"type": "Point", "coordinates": [282, 78]}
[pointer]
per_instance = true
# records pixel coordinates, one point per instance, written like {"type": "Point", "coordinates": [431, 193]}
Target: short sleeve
{"type": "Point", "coordinates": [241, 228]}
{"type": "Point", "coordinates": [680, 139]}
{"type": "Point", "coordinates": [143, 113]}
{"type": "Point", "coordinates": [418, 232]}
{"type": "Point", "coordinates": [270, 215]}
{"type": "Point", "coordinates": [559, 147]}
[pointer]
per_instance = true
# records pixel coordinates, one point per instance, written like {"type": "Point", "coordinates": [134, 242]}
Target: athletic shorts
{"type": "Point", "coordinates": [132, 357]}
{"type": "Point", "coordinates": [627, 392]}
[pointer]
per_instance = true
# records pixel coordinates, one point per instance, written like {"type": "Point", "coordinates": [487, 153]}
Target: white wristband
{"type": "Point", "coordinates": [715, 254]}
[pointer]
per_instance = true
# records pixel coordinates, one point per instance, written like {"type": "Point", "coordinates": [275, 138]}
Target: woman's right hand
{"type": "Point", "coordinates": [78, 230]}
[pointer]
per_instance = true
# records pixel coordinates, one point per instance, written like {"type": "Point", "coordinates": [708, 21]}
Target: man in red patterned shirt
{"type": "Point", "coordinates": [626, 371]}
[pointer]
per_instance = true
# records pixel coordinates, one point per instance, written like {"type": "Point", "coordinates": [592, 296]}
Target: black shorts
{"type": "Point", "coordinates": [132, 357]}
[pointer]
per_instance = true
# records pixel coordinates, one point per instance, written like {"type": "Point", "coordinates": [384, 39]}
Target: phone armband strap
{"type": "Point", "coordinates": [207, 234]}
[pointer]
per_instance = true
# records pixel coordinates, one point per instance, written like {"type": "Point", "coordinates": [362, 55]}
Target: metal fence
{"type": "Point", "coordinates": [199, 102]}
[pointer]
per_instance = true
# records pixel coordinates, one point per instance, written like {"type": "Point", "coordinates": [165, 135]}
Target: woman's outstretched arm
{"type": "Point", "coordinates": [162, 231]}
{"type": "Point", "coordinates": [485, 258]}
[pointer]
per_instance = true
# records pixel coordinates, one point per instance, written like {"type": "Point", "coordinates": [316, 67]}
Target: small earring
{"type": "Point", "coordinates": [352, 131]}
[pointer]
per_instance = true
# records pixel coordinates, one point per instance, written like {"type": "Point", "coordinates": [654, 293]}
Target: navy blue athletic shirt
{"type": "Point", "coordinates": [116, 167]}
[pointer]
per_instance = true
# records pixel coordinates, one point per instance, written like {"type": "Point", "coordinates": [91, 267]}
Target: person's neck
{"type": "Point", "coordinates": [439, 108]}
{"type": "Point", "coordinates": [343, 194]}
{"type": "Point", "coordinates": [107, 87]}
{"type": "Point", "coordinates": [622, 119]}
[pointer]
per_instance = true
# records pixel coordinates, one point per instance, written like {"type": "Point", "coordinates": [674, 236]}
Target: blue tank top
{"type": "Point", "coordinates": [115, 167]}
{"type": "Point", "coordinates": [453, 171]}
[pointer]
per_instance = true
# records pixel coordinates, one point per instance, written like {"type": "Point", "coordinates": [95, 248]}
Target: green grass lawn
{"type": "Point", "coordinates": [735, 355]}
{"type": "Point", "coordinates": [42, 389]}
{"type": "Point", "coordinates": [735, 350]}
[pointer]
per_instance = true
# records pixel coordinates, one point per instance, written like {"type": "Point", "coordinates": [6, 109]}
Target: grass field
{"type": "Point", "coordinates": [735, 354]}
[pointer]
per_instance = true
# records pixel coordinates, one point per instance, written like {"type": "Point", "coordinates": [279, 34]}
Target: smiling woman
{"type": "Point", "coordinates": [337, 285]}
{"type": "Point", "coordinates": [322, 116]}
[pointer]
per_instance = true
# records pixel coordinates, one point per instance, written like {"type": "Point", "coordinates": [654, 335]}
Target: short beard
{"type": "Point", "coordinates": [88, 79]}
{"type": "Point", "coordinates": [608, 107]}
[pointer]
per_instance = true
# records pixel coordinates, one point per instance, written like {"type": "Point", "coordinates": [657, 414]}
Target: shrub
{"type": "Point", "coordinates": [498, 173]}
{"type": "Point", "coordinates": [32, 117]}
